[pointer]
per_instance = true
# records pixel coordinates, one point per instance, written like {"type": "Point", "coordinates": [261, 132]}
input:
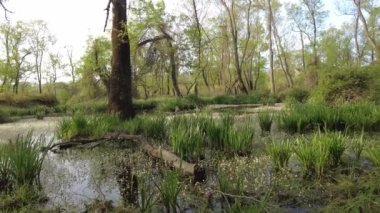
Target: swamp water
{"type": "Point", "coordinates": [73, 178]}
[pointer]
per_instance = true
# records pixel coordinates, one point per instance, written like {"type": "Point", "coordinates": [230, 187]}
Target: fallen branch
{"type": "Point", "coordinates": [188, 169]}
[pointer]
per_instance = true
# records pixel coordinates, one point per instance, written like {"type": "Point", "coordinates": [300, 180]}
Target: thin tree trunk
{"type": "Point", "coordinates": [271, 64]}
{"type": "Point", "coordinates": [303, 52]}
{"type": "Point", "coordinates": [173, 72]}
{"type": "Point", "coordinates": [120, 99]}
{"type": "Point", "coordinates": [372, 40]}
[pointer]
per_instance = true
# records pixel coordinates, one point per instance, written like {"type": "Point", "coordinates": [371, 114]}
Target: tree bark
{"type": "Point", "coordinates": [235, 43]}
{"type": "Point", "coordinates": [120, 98]}
{"type": "Point", "coordinates": [371, 38]}
{"type": "Point", "coordinates": [271, 64]}
{"type": "Point", "coordinates": [173, 72]}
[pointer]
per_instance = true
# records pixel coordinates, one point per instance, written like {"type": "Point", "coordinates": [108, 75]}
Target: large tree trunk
{"type": "Point", "coordinates": [120, 98]}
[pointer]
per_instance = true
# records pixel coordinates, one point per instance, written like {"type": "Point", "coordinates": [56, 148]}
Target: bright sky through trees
{"type": "Point", "coordinates": [72, 21]}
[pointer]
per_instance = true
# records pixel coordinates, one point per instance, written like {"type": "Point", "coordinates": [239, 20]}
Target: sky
{"type": "Point", "coordinates": [73, 21]}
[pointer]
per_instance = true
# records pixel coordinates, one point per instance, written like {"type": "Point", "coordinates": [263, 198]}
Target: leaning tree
{"type": "Point", "coordinates": [120, 94]}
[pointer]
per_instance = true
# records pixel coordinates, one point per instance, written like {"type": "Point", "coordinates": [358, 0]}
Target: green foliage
{"type": "Point", "coordinates": [374, 155]}
{"type": "Point", "coordinates": [80, 125]}
{"type": "Point", "coordinates": [149, 126]}
{"type": "Point", "coordinates": [169, 189]}
{"type": "Point", "coordinates": [240, 140]}
{"type": "Point", "coordinates": [297, 95]}
{"type": "Point", "coordinates": [177, 104]}
{"type": "Point", "coordinates": [280, 153]}
{"type": "Point", "coordinates": [305, 117]}
{"type": "Point", "coordinates": [241, 99]}
{"type": "Point", "coordinates": [21, 162]}
{"type": "Point", "coordinates": [265, 120]}
{"type": "Point", "coordinates": [147, 194]}
{"type": "Point", "coordinates": [325, 149]}
{"type": "Point", "coordinates": [187, 137]}
{"type": "Point", "coordinates": [348, 85]}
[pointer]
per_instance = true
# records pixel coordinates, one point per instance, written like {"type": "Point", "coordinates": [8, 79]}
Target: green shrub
{"type": "Point", "coordinates": [348, 85]}
{"type": "Point", "coordinates": [297, 95]}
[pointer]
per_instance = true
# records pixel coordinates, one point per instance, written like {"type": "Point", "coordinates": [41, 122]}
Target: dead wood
{"type": "Point", "coordinates": [171, 159]}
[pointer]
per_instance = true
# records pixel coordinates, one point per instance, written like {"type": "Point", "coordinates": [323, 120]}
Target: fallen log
{"type": "Point", "coordinates": [188, 169]}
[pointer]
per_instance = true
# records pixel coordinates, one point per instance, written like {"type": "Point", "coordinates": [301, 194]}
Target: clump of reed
{"type": "Point", "coordinates": [150, 126]}
{"type": "Point", "coordinates": [280, 153]}
{"type": "Point", "coordinates": [306, 117]}
{"type": "Point", "coordinates": [323, 151]}
{"type": "Point", "coordinates": [80, 125]}
{"type": "Point", "coordinates": [265, 120]}
{"type": "Point", "coordinates": [169, 189]}
{"type": "Point", "coordinates": [225, 136]}
{"type": "Point", "coordinates": [374, 156]}
{"type": "Point", "coordinates": [21, 162]}
{"type": "Point", "coordinates": [187, 137]}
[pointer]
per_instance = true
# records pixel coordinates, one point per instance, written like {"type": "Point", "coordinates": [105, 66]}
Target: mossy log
{"type": "Point", "coordinates": [171, 159]}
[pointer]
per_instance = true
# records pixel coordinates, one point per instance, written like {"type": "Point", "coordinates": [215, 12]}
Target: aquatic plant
{"type": "Point", "coordinates": [149, 126]}
{"type": "Point", "coordinates": [26, 160]}
{"type": "Point", "coordinates": [324, 149]}
{"type": "Point", "coordinates": [265, 120]}
{"type": "Point", "coordinates": [374, 155]}
{"type": "Point", "coordinates": [280, 153]}
{"type": "Point", "coordinates": [21, 162]}
{"type": "Point", "coordinates": [306, 117]}
{"type": "Point", "coordinates": [169, 189]}
{"type": "Point", "coordinates": [187, 138]}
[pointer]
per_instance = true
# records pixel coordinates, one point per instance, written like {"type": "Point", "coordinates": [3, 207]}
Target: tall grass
{"type": "Point", "coordinates": [81, 125]}
{"type": "Point", "coordinates": [21, 161]}
{"type": "Point", "coordinates": [169, 189]}
{"type": "Point", "coordinates": [225, 136]}
{"type": "Point", "coordinates": [322, 151]}
{"type": "Point", "coordinates": [280, 153]}
{"type": "Point", "coordinates": [187, 138]}
{"type": "Point", "coordinates": [149, 126]}
{"type": "Point", "coordinates": [374, 156]}
{"type": "Point", "coordinates": [265, 120]}
{"type": "Point", "coordinates": [306, 117]}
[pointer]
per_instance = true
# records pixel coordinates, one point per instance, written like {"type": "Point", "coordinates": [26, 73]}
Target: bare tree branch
{"type": "Point", "coordinates": [5, 9]}
{"type": "Point", "coordinates": [108, 14]}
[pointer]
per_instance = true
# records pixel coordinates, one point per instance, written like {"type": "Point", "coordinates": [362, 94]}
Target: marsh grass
{"type": "Point", "coordinates": [187, 138]}
{"type": "Point", "coordinates": [265, 120]}
{"type": "Point", "coordinates": [81, 125]}
{"type": "Point", "coordinates": [169, 188]}
{"type": "Point", "coordinates": [306, 117]}
{"type": "Point", "coordinates": [150, 126]}
{"type": "Point", "coordinates": [240, 140]}
{"type": "Point", "coordinates": [26, 159]}
{"type": "Point", "coordinates": [374, 156]}
{"type": "Point", "coordinates": [280, 153]}
{"type": "Point", "coordinates": [323, 151]}
{"type": "Point", "coordinates": [5, 168]}
{"type": "Point", "coordinates": [21, 162]}
{"type": "Point", "coordinates": [358, 146]}
{"type": "Point", "coordinates": [147, 194]}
